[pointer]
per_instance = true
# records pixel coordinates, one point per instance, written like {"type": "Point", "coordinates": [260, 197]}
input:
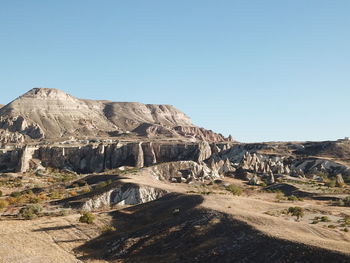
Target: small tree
{"type": "Point", "coordinates": [296, 211]}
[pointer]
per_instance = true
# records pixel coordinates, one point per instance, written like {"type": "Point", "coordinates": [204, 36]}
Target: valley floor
{"type": "Point", "coordinates": [59, 239]}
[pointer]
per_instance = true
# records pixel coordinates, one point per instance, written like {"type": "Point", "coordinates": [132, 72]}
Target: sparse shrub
{"type": "Point", "coordinates": [296, 211]}
{"type": "Point", "coordinates": [234, 189]}
{"type": "Point", "coordinates": [346, 201]}
{"type": "Point", "coordinates": [15, 194]}
{"type": "Point", "coordinates": [340, 202]}
{"type": "Point", "coordinates": [108, 229]}
{"type": "Point", "coordinates": [30, 212]}
{"type": "Point", "coordinates": [263, 184]}
{"type": "Point", "coordinates": [346, 229]}
{"type": "Point", "coordinates": [325, 219]}
{"type": "Point", "coordinates": [280, 196]}
{"type": "Point", "coordinates": [102, 184]}
{"type": "Point", "coordinates": [330, 183]}
{"type": "Point", "coordinates": [87, 217]}
{"type": "Point", "coordinates": [63, 212]}
{"type": "Point", "coordinates": [55, 195]}
{"type": "Point", "coordinates": [3, 204]}
{"type": "Point", "coordinates": [347, 220]}
{"type": "Point", "coordinates": [11, 200]}
{"type": "Point", "coordinates": [0, 193]}
{"type": "Point", "coordinates": [33, 199]}
{"type": "Point", "coordinates": [331, 226]}
{"type": "Point", "coordinates": [63, 177]}
{"type": "Point", "coordinates": [43, 196]}
{"type": "Point", "coordinates": [86, 189]}
{"type": "Point", "coordinates": [73, 193]}
{"type": "Point", "coordinates": [316, 220]}
{"type": "Point", "coordinates": [293, 198]}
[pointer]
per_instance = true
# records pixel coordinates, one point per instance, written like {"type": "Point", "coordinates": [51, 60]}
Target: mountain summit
{"type": "Point", "coordinates": [44, 113]}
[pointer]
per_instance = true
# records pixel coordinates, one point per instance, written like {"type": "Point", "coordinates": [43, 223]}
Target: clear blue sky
{"type": "Point", "coordinates": [259, 70]}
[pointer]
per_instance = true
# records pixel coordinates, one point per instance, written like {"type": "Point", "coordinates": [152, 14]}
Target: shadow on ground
{"type": "Point", "coordinates": [53, 228]}
{"type": "Point", "coordinates": [175, 229]}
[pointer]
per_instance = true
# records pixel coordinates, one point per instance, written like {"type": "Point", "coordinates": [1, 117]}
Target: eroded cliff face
{"type": "Point", "coordinates": [213, 158]}
{"type": "Point", "coordinates": [98, 157]}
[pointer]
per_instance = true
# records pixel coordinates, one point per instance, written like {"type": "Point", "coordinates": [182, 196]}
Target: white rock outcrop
{"type": "Point", "coordinates": [128, 194]}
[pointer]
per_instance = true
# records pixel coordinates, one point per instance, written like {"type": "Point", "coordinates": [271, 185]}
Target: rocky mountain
{"type": "Point", "coordinates": [44, 113]}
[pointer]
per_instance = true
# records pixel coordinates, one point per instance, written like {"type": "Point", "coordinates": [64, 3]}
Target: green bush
{"type": "Point", "coordinates": [296, 211]}
{"type": "Point", "coordinates": [292, 198]}
{"type": "Point", "coordinates": [30, 211]}
{"type": "Point", "coordinates": [234, 189]}
{"type": "Point", "coordinates": [107, 229]}
{"type": "Point", "coordinates": [87, 217]}
{"type": "Point", "coordinates": [0, 193]}
{"type": "Point", "coordinates": [55, 195]}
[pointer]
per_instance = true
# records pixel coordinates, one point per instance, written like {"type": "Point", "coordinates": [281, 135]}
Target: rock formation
{"type": "Point", "coordinates": [182, 172]}
{"type": "Point", "coordinates": [127, 194]}
{"type": "Point", "coordinates": [263, 166]}
{"type": "Point", "coordinates": [96, 157]}
{"type": "Point", "coordinates": [255, 180]}
{"type": "Point", "coordinates": [7, 137]}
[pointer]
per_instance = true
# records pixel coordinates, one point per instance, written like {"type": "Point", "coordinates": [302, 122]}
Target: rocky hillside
{"type": "Point", "coordinates": [43, 113]}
